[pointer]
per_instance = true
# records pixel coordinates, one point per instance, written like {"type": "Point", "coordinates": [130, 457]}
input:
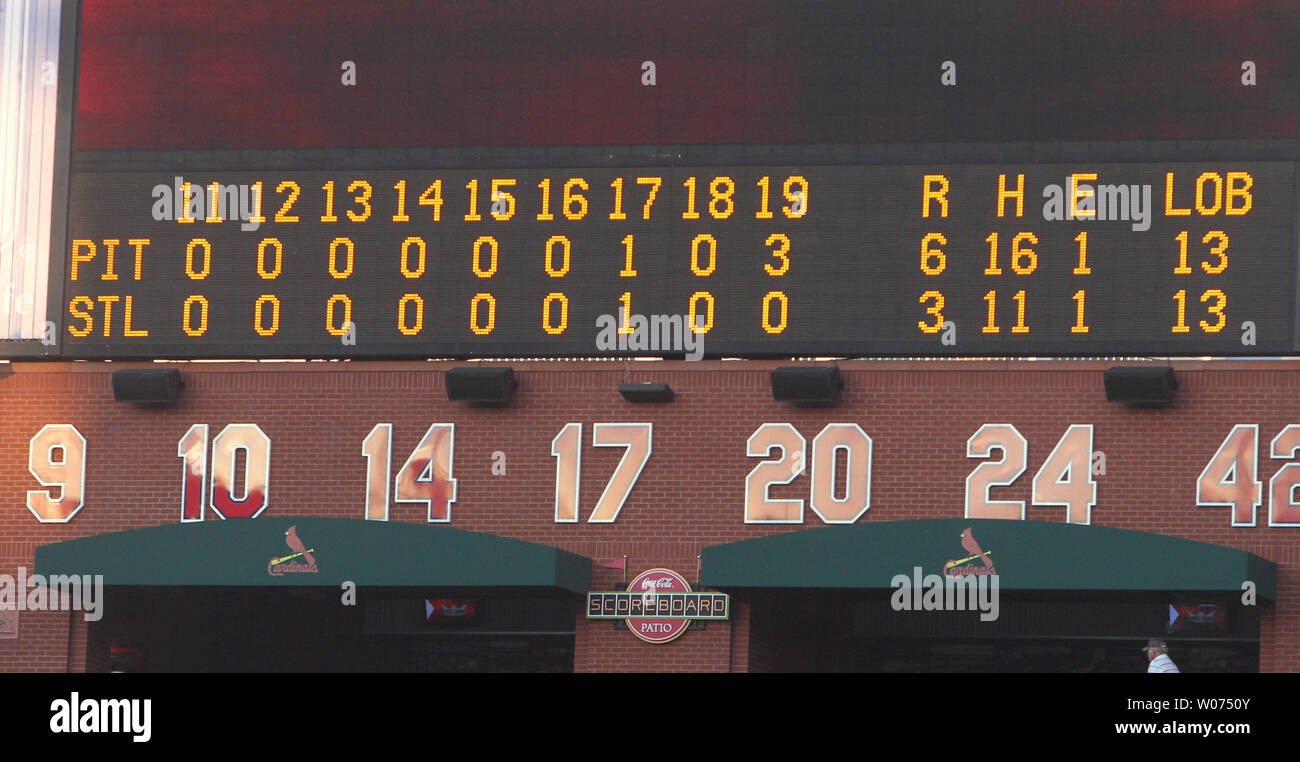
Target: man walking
{"type": "Point", "coordinates": [1158, 657]}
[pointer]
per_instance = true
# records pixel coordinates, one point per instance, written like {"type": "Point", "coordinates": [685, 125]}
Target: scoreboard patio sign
{"type": "Point", "coordinates": [658, 605]}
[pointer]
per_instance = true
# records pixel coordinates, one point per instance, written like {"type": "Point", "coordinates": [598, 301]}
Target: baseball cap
{"type": "Point", "coordinates": [1155, 643]}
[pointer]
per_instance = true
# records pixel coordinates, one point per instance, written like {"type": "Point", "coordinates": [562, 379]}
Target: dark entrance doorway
{"type": "Point", "coordinates": [860, 631]}
{"type": "Point", "coordinates": [308, 629]}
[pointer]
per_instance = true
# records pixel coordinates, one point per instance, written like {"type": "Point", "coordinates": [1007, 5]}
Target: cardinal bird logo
{"type": "Point", "coordinates": [964, 565]}
{"type": "Point", "coordinates": [279, 566]}
{"type": "Point", "coordinates": [295, 544]}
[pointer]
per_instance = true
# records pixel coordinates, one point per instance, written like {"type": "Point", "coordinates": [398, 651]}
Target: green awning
{"type": "Point", "coordinates": [1026, 555]}
{"type": "Point", "coordinates": [367, 553]}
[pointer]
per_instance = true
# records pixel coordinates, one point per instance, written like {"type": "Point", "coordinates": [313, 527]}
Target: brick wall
{"type": "Point", "coordinates": [691, 492]}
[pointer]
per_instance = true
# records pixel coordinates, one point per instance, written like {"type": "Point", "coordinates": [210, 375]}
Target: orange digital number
{"type": "Point", "coordinates": [294, 190]}
{"type": "Point", "coordinates": [434, 200]}
{"type": "Point", "coordinates": [654, 183]}
{"type": "Point", "coordinates": [935, 309]}
{"type": "Point", "coordinates": [363, 191]}
{"type": "Point", "coordinates": [782, 243]}
{"type": "Point", "coordinates": [720, 192]}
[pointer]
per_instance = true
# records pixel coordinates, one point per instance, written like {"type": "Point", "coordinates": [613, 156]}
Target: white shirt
{"type": "Point", "coordinates": [1162, 663]}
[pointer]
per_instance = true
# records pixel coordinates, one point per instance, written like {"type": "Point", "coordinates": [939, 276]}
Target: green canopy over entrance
{"type": "Point", "coordinates": [1026, 555]}
{"type": "Point", "coordinates": [262, 552]}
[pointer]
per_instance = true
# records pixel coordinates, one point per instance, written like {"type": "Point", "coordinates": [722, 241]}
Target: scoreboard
{"type": "Point", "coordinates": [1065, 259]}
{"type": "Point", "coordinates": [755, 179]}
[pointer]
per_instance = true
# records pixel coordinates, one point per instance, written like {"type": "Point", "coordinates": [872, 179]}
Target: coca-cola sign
{"type": "Point", "coordinates": [655, 585]}
{"type": "Point", "coordinates": [658, 605]}
{"type": "Point", "coordinates": [666, 583]}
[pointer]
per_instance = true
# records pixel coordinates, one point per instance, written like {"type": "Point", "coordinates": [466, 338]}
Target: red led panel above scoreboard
{"type": "Point", "coordinates": [390, 73]}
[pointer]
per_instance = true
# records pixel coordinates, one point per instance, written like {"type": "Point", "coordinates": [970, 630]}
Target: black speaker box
{"type": "Point", "coordinates": [481, 384]}
{"type": "Point", "coordinates": [149, 385]}
{"type": "Point", "coordinates": [1140, 385]}
{"type": "Point", "coordinates": [817, 384]}
{"type": "Point", "coordinates": [646, 392]}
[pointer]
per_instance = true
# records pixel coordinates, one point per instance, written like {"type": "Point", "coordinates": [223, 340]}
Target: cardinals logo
{"type": "Point", "coordinates": [277, 567]}
{"type": "Point", "coordinates": [979, 562]}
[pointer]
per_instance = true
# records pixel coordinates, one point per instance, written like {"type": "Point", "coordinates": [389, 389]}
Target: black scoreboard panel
{"type": "Point", "coordinates": [832, 177]}
{"type": "Point", "coordinates": [1011, 259]}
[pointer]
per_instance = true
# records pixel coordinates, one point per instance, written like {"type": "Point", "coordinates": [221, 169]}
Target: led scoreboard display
{"type": "Point", "coordinates": [751, 179]}
{"type": "Point", "coordinates": [1169, 258]}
